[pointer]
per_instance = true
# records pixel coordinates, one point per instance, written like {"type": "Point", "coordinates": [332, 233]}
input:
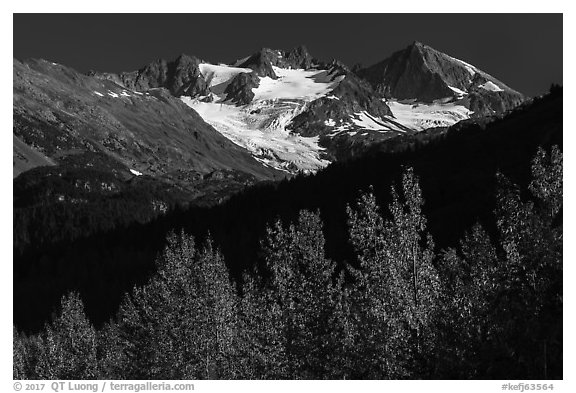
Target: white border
{"type": "Point", "coordinates": [307, 6]}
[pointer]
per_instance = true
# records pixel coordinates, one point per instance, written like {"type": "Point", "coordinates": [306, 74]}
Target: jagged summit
{"type": "Point", "coordinates": [181, 76]}
{"type": "Point", "coordinates": [299, 57]}
{"type": "Point", "coordinates": [263, 60]}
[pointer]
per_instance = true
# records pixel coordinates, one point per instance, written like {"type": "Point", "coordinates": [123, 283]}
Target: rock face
{"type": "Point", "coordinates": [422, 73]}
{"type": "Point", "coordinates": [263, 61]}
{"type": "Point", "coordinates": [181, 77]}
{"type": "Point", "coordinates": [239, 91]}
{"type": "Point", "coordinates": [296, 58]}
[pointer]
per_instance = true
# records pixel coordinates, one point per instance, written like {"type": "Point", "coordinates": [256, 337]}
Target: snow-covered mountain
{"type": "Point", "coordinates": [292, 112]}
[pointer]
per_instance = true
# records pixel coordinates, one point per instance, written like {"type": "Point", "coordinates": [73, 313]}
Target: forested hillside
{"type": "Point", "coordinates": [402, 309]}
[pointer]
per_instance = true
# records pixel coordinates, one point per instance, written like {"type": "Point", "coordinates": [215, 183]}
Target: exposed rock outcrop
{"type": "Point", "coordinates": [239, 91]}
{"type": "Point", "coordinates": [181, 77]}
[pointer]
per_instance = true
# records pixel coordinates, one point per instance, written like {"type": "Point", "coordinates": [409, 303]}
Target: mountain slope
{"type": "Point", "coordinates": [62, 113]}
{"type": "Point", "coordinates": [424, 74]}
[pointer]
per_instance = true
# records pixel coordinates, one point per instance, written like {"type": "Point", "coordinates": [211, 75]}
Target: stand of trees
{"type": "Point", "coordinates": [490, 308]}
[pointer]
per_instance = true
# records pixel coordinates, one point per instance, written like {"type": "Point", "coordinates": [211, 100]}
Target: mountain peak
{"type": "Point", "coordinates": [423, 73]}
{"type": "Point", "coordinates": [180, 76]}
{"type": "Point", "coordinates": [300, 49]}
{"type": "Point", "coordinates": [185, 58]}
{"type": "Point", "coordinates": [423, 49]}
{"type": "Point", "coordinates": [299, 57]}
{"type": "Point", "coordinates": [263, 61]}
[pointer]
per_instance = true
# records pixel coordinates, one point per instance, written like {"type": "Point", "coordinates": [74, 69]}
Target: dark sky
{"type": "Point", "coordinates": [522, 50]}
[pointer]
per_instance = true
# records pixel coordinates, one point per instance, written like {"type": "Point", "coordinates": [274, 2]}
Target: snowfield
{"type": "Point", "coordinates": [296, 84]}
{"type": "Point", "coordinates": [260, 126]}
{"type": "Point", "coordinates": [220, 76]}
{"type": "Point", "coordinates": [419, 116]}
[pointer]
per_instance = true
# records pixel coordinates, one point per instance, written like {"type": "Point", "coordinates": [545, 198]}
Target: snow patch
{"type": "Point", "coordinates": [112, 94]}
{"type": "Point", "coordinates": [420, 116]}
{"type": "Point", "coordinates": [469, 67]}
{"type": "Point", "coordinates": [461, 93]}
{"type": "Point", "coordinates": [490, 86]}
{"type": "Point", "coordinates": [135, 173]}
{"type": "Point", "coordinates": [368, 122]}
{"type": "Point", "coordinates": [98, 94]}
{"type": "Point", "coordinates": [330, 123]}
{"type": "Point", "coordinates": [306, 85]}
{"type": "Point", "coordinates": [344, 126]}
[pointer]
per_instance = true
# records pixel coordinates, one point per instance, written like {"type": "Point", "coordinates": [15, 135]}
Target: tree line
{"type": "Point", "coordinates": [489, 308]}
